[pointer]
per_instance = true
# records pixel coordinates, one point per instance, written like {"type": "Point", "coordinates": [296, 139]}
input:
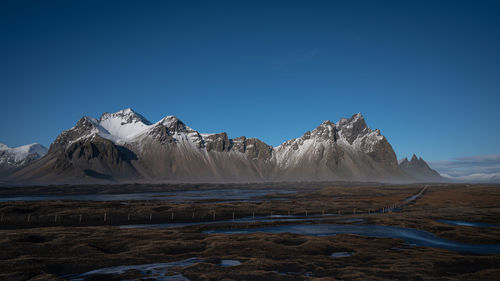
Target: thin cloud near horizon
{"type": "Point", "coordinates": [485, 167]}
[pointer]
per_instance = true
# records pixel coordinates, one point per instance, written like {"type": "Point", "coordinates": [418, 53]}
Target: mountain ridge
{"type": "Point", "coordinates": [418, 168]}
{"type": "Point", "coordinates": [125, 146]}
{"type": "Point", "coordinates": [12, 158]}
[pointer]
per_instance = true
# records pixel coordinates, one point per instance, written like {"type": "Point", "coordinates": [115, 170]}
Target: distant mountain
{"type": "Point", "coordinates": [125, 146]}
{"type": "Point", "coordinates": [12, 158]}
{"type": "Point", "coordinates": [475, 178]}
{"type": "Point", "coordinates": [418, 169]}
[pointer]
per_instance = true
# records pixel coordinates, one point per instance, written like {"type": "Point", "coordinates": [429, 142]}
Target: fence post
{"type": "Point", "coordinates": [214, 215]}
{"type": "Point", "coordinates": [1, 219]}
{"type": "Point", "coordinates": [150, 216]}
{"type": "Point", "coordinates": [29, 216]}
{"type": "Point", "coordinates": [233, 216]}
{"type": "Point", "coordinates": [306, 213]}
{"type": "Point", "coordinates": [172, 215]}
{"type": "Point", "coordinates": [80, 218]}
{"type": "Point", "coordinates": [55, 218]}
{"type": "Point", "coordinates": [193, 215]}
{"type": "Point", "coordinates": [128, 217]}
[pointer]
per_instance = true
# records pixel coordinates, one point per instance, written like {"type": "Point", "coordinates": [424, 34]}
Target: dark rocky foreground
{"type": "Point", "coordinates": [47, 250]}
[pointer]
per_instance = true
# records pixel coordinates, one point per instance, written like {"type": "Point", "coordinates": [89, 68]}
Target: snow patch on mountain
{"type": "Point", "coordinates": [122, 125]}
{"type": "Point", "coordinates": [21, 155]}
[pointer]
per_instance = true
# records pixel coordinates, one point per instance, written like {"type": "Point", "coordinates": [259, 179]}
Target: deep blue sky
{"type": "Point", "coordinates": [427, 73]}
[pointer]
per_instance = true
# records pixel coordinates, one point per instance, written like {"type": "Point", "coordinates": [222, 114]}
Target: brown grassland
{"type": "Point", "coordinates": [45, 240]}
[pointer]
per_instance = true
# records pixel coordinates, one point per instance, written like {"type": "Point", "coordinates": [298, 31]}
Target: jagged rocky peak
{"type": "Point", "coordinates": [126, 116]}
{"type": "Point", "coordinates": [418, 168]}
{"type": "Point", "coordinates": [160, 133]}
{"type": "Point", "coordinates": [415, 159]}
{"type": "Point", "coordinates": [217, 142]}
{"type": "Point", "coordinates": [174, 125]}
{"type": "Point", "coordinates": [85, 127]}
{"type": "Point", "coordinates": [415, 162]}
{"type": "Point", "coordinates": [353, 127]}
{"type": "Point", "coordinates": [257, 150]}
{"type": "Point", "coordinates": [239, 144]}
{"type": "Point", "coordinates": [172, 130]}
{"type": "Point", "coordinates": [326, 131]}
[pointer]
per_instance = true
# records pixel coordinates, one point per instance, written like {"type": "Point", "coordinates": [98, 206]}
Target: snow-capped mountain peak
{"type": "Point", "coordinates": [353, 128]}
{"type": "Point", "coordinates": [174, 125]}
{"type": "Point", "coordinates": [326, 131]}
{"type": "Point", "coordinates": [127, 126]}
{"type": "Point", "coordinates": [171, 121]}
{"type": "Point", "coordinates": [21, 155]}
{"type": "Point", "coordinates": [126, 116]}
{"type": "Point", "coordinates": [353, 119]}
{"type": "Point", "coordinates": [122, 125]}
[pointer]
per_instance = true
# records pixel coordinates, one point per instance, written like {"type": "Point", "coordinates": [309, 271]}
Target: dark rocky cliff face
{"type": "Point", "coordinates": [83, 127]}
{"type": "Point", "coordinates": [353, 127]}
{"type": "Point", "coordinates": [382, 153]}
{"type": "Point", "coordinates": [217, 142]}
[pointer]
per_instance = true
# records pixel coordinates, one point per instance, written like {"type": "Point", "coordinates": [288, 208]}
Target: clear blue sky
{"type": "Point", "coordinates": [427, 73]}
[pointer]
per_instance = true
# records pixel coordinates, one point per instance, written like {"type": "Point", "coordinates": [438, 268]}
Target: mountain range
{"type": "Point", "coordinates": [12, 158]}
{"type": "Point", "coordinates": [126, 147]}
{"type": "Point", "coordinates": [418, 168]}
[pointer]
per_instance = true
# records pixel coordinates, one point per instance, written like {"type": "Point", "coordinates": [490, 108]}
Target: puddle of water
{"type": "Point", "coordinates": [175, 196]}
{"type": "Point", "coordinates": [341, 254]}
{"type": "Point", "coordinates": [227, 263]}
{"type": "Point", "coordinates": [468, 223]}
{"type": "Point", "coordinates": [352, 220]}
{"type": "Point", "coordinates": [397, 249]}
{"type": "Point", "coordinates": [156, 271]}
{"type": "Point", "coordinates": [411, 236]}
